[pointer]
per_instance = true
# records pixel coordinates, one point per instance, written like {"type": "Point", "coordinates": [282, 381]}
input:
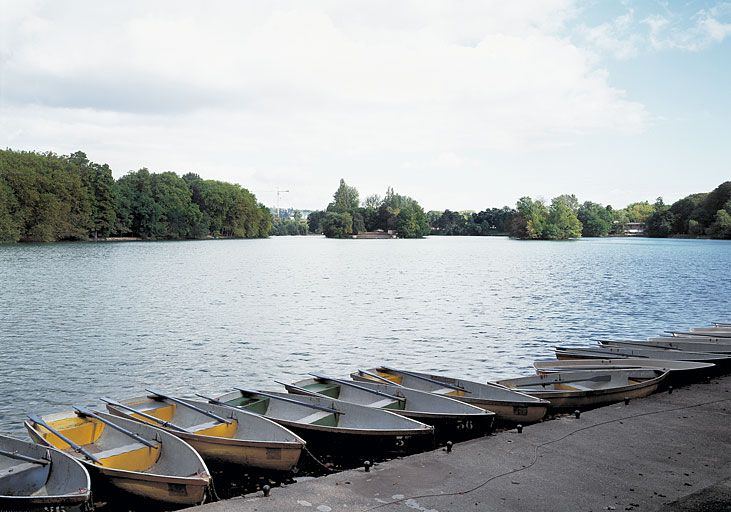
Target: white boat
{"type": "Point", "coordinates": [681, 372]}
{"type": "Point", "coordinates": [671, 344]}
{"type": "Point", "coordinates": [605, 351]}
{"type": "Point", "coordinates": [580, 389]}
{"type": "Point", "coordinates": [33, 476]}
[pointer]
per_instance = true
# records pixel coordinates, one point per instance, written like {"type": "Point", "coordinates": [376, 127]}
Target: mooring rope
{"type": "Point", "coordinates": [535, 454]}
{"type": "Point", "coordinates": [308, 452]}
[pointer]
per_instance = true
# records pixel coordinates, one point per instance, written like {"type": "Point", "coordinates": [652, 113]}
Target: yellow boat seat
{"type": "Point", "coordinates": [119, 450]}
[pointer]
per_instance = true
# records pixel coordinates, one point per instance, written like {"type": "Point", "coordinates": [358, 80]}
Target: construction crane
{"type": "Point", "coordinates": [279, 196]}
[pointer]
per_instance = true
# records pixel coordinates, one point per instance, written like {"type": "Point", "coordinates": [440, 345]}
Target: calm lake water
{"type": "Point", "coordinates": [78, 321]}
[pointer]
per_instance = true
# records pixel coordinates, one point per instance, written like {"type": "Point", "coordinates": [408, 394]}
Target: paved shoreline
{"type": "Point", "coordinates": [665, 452]}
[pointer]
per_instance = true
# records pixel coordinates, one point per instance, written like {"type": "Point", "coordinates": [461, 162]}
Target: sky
{"type": "Point", "coordinates": [460, 104]}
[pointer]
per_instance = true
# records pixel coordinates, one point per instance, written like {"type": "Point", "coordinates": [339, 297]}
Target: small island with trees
{"type": "Point", "coordinates": [393, 213]}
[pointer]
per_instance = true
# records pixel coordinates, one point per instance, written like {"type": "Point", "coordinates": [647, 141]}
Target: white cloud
{"type": "Point", "coordinates": [629, 35]}
{"type": "Point", "coordinates": [250, 91]}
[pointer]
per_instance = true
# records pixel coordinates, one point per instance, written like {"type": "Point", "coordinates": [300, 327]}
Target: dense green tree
{"type": "Point", "coordinates": [536, 221]}
{"type": "Point", "coordinates": [563, 223]}
{"type": "Point", "coordinates": [530, 222]}
{"type": "Point", "coordinates": [683, 212]}
{"type": "Point", "coordinates": [595, 219]}
{"type": "Point", "coordinates": [639, 212]}
{"type": "Point", "coordinates": [450, 223]}
{"type": "Point", "coordinates": [314, 220]}
{"type": "Point", "coordinates": [660, 222]}
{"type": "Point", "coordinates": [9, 226]}
{"type": "Point", "coordinates": [721, 226]}
{"type": "Point", "coordinates": [411, 221]}
{"type": "Point", "coordinates": [712, 203]}
{"type": "Point", "coordinates": [337, 225]}
{"type": "Point", "coordinates": [345, 199]}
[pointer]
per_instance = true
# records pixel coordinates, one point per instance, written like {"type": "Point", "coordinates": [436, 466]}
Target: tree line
{"type": "Point", "coordinates": [46, 197]}
{"type": "Point", "coordinates": [345, 216]}
{"type": "Point", "coordinates": [697, 215]}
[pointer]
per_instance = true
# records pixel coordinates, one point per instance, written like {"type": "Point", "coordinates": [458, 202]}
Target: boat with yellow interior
{"type": "Point", "coordinates": [219, 433]}
{"type": "Point", "coordinates": [121, 454]}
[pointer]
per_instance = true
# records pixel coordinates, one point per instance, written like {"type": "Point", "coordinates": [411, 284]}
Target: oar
{"type": "Point", "coordinates": [428, 379]}
{"type": "Point", "coordinates": [193, 407]}
{"type": "Point", "coordinates": [290, 400]}
{"type": "Point", "coordinates": [378, 377]}
{"type": "Point", "coordinates": [301, 390]}
{"type": "Point", "coordinates": [85, 412]}
{"type": "Point", "coordinates": [76, 447]}
{"type": "Point", "coordinates": [24, 458]}
{"type": "Point", "coordinates": [144, 415]}
{"type": "Point", "coordinates": [217, 402]}
{"type": "Point", "coordinates": [598, 378]}
{"type": "Point", "coordinates": [356, 386]}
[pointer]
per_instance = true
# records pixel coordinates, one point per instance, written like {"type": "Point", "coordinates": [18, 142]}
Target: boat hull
{"type": "Point", "coordinates": [454, 427]}
{"type": "Point", "coordinates": [260, 455]}
{"type": "Point", "coordinates": [588, 399]}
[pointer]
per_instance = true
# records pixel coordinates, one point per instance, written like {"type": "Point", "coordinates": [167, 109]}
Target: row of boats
{"type": "Point", "coordinates": [157, 447]}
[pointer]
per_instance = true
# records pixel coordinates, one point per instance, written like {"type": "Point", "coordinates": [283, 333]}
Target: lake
{"type": "Point", "coordinates": [83, 320]}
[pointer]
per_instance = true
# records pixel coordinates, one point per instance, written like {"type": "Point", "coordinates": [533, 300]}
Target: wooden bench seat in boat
{"type": "Point", "coordinates": [383, 403]}
{"type": "Point", "coordinates": [315, 417]}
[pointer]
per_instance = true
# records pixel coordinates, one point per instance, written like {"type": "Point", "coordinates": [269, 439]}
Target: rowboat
{"type": "Point", "coordinates": [581, 389]}
{"type": "Point", "coordinates": [671, 344]}
{"type": "Point", "coordinates": [705, 335]}
{"type": "Point", "coordinates": [509, 406]}
{"type": "Point", "coordinates": [332, 426]}
{"type": "Point", "coordinates": [606, 351]}
{"type": "Point", "coordinates": [34, 476]}
{"type": "Point", "coordinates": [681, 372]}
{"type": "Point", "coordinates": [125, 455]}
{"type": "Point", "coordinates": [219, 434]}
{"type": "Point", "coordinates": [692, 339]}
{"type": "Point", "coordinates": [449, 417]}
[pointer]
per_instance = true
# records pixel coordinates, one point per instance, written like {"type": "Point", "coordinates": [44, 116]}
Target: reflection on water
{"type": "Point", "coordinates": [78, 321]}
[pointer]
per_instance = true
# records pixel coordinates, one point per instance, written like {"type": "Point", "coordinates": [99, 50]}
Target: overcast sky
{"type": "Point", "coordinates": [461, 104]}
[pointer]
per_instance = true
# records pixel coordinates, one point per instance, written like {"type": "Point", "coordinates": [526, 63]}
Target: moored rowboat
{"type": "Point", "coordinates": [605, 351]}
{"type": "Point", "coordinates": [671, 344]}
{"type": "Point", "coordinates": [146, 462]}
{"type": "Point", "coordinates": [446, 415]}
{"type": "Point", "coordinates": [582, 389]}
{"type": "Point", "coordinates": [328, 425]}
{"type": "Point", "coordinates": [35, 476]}
{"type": "Point", "coordinates": [508, 405]}
{"type": "Point", "coordinates": [219, 434]}
{"type": "Point", "coordinates": [680, 371]}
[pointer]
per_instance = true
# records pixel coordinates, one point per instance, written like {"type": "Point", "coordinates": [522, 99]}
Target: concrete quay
{"type": "Point", "coordinates": [666, 452]}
